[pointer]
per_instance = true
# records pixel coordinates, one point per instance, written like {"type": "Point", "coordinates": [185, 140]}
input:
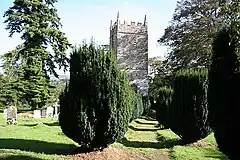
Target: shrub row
{"type": "Point", "coordinates": [184, 109]}
{"type": "Point", "coordinates": [224, 78]}
{"type": "Point", "coordinates": [98, 103]}
{"type": "Point", "coordinates": [201, 100]}
{"type": "Point", "coordinates": [162, 105]}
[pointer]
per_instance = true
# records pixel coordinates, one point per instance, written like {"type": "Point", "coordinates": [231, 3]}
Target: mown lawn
{"type": "Point", "coordinates": [34, 140]}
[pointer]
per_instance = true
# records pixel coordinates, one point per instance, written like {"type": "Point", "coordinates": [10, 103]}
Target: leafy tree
{"type": "Point", "coordinates": [191, 32]}
{"type": "Point", "coordinates": [162, 76]}
{"type": "Point", "coordinates": [12, 88]}
{"type": "Point", "coordinates": [39, 25]}
{"type": "Point", "coordinates": [56, 88]}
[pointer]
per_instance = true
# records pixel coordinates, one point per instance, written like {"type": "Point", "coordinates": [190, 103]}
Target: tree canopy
{"type": "Point", "coordinates": [32, 62]}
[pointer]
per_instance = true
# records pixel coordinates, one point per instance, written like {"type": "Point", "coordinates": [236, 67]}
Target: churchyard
{"type": "Point", "coordinates": [109, 107]}
{"type": "Point", "coordinates": [42, 139]}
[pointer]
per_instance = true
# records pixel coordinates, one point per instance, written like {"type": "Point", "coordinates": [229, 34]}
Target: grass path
{"type": "Point", "coordinates": [43, 140]}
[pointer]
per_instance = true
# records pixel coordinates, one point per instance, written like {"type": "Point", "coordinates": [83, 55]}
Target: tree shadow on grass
{"type": "Point", "coordinates": [19, 157]}
{"type": "Point", "coordinates": [145, 123]}
{"type": "Point", "coordinates": [163, 143]}
{"type": "Point", "coordinates": [37, 146]}
{"type": "Point", "coordinates": [156, 145]}
{"type": "Point", "coordinates": [214, 154]}
{"type": "Point", "coordinates": [143, 129]}
{"type": "Point", "coordinates": [29, 125]}
{"type": "Point", "coordinates": [147, 118]}
{"type": "Point", "coordinates": [35, 124]}
{"type": "Point", "coordinates": [52, 124]}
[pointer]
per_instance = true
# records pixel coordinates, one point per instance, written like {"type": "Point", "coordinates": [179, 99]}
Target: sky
{"type": "Point", "coordinates": [83, 19]}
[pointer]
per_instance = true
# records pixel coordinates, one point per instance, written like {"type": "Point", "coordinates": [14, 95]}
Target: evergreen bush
{"type": "Point", "coordinates": [224, 78]}
{"type": "Point", "coordinates": [146, 104]}
{"type": "Point", "coordinates": [96, 104]}
{"type": "Point", "coordinates": [162, 106]}
{"type": "Point", "coordinates": [137, 105]}
{"type": "Point", "coordinates": [188, 113]}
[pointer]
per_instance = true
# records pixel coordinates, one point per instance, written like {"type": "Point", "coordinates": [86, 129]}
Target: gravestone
{"type": "Point", "coordinates": [44, 113]}
{"type": "Point", "coordinates": [5, 113]}
{"type": "Point", "coordinates": [56, 109]}
{"type": "Point", "coordinates": [50, 112]}
{"type": "Point", "coordinates": [12, 115]}
{"type": "Point", "coordinates": [37, 113]}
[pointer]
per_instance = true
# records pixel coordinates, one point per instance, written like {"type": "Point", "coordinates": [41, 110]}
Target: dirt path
{"type": "Point", "coordinates": [141, 135]}
{"type": "Point", "coordinates": [119, 154]}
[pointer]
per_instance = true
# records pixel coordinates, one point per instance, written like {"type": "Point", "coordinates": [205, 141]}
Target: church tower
{"type": "Point", "coordinates": [130, 44]}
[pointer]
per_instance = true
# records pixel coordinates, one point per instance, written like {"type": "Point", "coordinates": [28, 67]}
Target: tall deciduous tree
{"type": "Point", "coordinates": [191, 32]}
{"type": "Point", "coordinates": [161, 76]}
{"type": "Point", "coordinates": [39, 24]}
{"type": "Point", "coordinates": [12, 83]}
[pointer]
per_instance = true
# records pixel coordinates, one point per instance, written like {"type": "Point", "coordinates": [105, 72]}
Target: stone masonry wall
{"type": "Point", "coordinates": [131, 46]}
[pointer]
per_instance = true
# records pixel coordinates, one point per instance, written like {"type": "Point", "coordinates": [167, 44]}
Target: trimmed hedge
{"type": "Point", "coordinates": [188, 114]}
{"type": "Point", "coordinates": [96, 105]}
{"type": "Point", "coordinates": [224, 85]}
{"type": "Point", "coordinates": [146, 105]}
{"type": "Point", "coordinates": [162, 105]}
{"type": "Point", "coordinates": [137, 105]}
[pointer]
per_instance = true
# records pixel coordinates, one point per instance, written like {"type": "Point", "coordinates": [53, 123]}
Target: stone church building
{"type": "Point", "coordinates": [130, 44]}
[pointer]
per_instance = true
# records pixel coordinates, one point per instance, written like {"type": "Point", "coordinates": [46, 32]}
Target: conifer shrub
{"type": "Point", "coordinates": [146, 104]}
{"type": "Point", "coordinates": [223, 97]}
{"type": "Point", "coordinates": [137, 104]}
{"type": "Point", "coordinates": [188, 114]}
{"type": "Point", "coordinates": [164, 100]}
{"type": "Point", "coordinates": [96, 104]}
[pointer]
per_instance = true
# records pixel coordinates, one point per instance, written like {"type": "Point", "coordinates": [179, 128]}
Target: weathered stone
{"type": "Point", "coordinates": [44, 113]}
{"type": "Point", "coordinates": [50, 112]}
{"type": "Point", "coordinates": [37, 113]}
{"type": "Point", "coordinates": [5, 113]}
{"type": "Point", "coordinates": [130, 44]}
{"type": "Point", "coordinates": [12, 115]}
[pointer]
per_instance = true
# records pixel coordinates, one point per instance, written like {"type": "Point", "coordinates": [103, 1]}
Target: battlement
{"type": "Point", "coordinates": [127, 23]}
{"type": "Point", "coordinates": [121, 25]}
{"type": "Point", "coordinates": [129, 27]}
{"type": "Point", "coordinates": [131, 23]}
{"type": "Point", "coordinates": [129, 40]}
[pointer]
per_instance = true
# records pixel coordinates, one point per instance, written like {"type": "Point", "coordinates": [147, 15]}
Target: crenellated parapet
{"type": "Point", "coordinates": [129, 41]}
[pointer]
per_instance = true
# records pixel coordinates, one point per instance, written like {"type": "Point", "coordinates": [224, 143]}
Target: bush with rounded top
{"type": "Point", "coordinates": [224, 78]}
{"type": "Point", "coordinates": [95, 107]}
{"type": "Point", "coordinates": [163, 103]}
{"type": "Point", "coordinates": [137, 105]}
{"type": "Point", "coordinates": [188, 114]}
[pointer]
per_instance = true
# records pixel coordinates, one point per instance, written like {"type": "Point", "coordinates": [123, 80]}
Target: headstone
{"type": "Point", "coordinates": [55, 110]}
{"type": "Point", "coordinates": [12, 115]}
{"type": "Point", "coordinates": [56, 116]}
{"type": "Point", "coordinates": [44, 113]}
{"type": "Point", "coordinates": [5, 113]}
{"type": "Point", "coordinates": [37, 113]}
{"type": "Point", "coordinates": [50, 112]}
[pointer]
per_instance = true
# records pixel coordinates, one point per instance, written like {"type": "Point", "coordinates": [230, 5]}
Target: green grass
{"type": "Point", "coordinates": [34, 141]}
